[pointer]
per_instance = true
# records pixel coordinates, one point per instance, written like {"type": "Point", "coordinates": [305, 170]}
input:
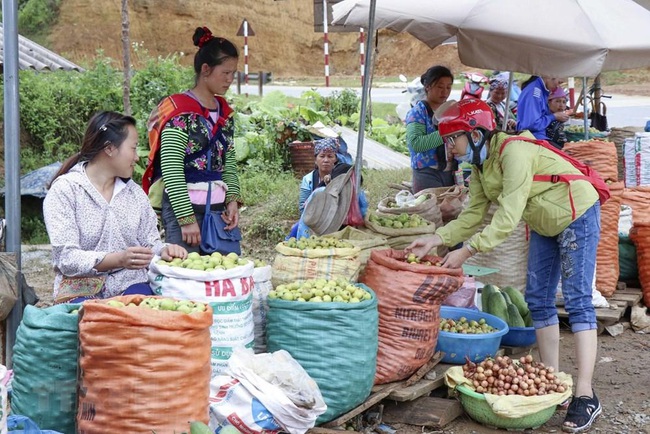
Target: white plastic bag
{"type": "Point", "coordinates": [5, 379]}
{"type": "Point", "coordinates": [625, 222]}
{"type": "Point", "coordinates": [404, 198]}
{"type": "Point", "coordinates": [282, 386]}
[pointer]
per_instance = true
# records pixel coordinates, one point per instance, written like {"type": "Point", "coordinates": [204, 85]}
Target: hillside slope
{"type": "Point", "coordinates": [284, 42]}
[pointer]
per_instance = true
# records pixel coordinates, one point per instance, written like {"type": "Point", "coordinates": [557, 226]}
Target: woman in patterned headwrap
{"type": "Point", "coordinates": [325, 153]}
{"type": "Point", "coordinates": [496, 101]}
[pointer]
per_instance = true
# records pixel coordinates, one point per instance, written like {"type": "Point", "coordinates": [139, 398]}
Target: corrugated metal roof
{"type": "Point", "coordinates": [34, 56]}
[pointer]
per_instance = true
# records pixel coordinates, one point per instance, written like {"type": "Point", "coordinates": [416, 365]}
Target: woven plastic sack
{"type": "Point", "coordinates": [598, 154]}
{"type": "Point", "coordinates": [637, 198]}
{"type": "Point", "coordinates": [365, 241]}
{"type": "Point", "coordinates": [627, 263]}
{"type": "Point", "coordinates": [45, 363]}
{"type": "Point", "coordinates": [229, 292]}
{"type": "Point", "coordinates": [142, 370]}
{"type": "Point", "coordinates": [428, 209]}
{"type": "Point", "coordinates": [607, 255]}
{"type": "Point", "coordinates": [618, 137]}
{"type": "Point", "coordinates": [262, 280]}
{"type": "Point", "coordinates": [451, 201]}
{"type": "Point", "coordinates": [295, 265]}
{"type": "Point", "coordinates": [336, 343]}
{"type": "Point", "coordinates": [409, 297]}
{"type": "Point", "coordinates": [640, 235]}
{"type": "Point", "coordinates": [8, 291]}
{"type": "Point", "coordinates": [510, 257]}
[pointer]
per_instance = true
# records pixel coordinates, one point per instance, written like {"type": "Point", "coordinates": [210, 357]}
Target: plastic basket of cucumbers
{"type": "Point", "coordinates": [509, 304]}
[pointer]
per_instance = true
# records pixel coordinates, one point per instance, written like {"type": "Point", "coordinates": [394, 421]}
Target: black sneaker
{"type": "Point", "coordinates": [582, 412]}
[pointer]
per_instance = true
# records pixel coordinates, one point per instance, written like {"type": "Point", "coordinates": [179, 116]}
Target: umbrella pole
{"type": "Point", "coordinates": [504, 126]}
{"type": "Point", "coordinates": [365, 92]}
{"type": "Point", "coordinates": [584, 107]}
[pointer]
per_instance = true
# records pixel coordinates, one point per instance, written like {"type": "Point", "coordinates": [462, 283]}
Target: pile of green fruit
{"type": "Point", "coordinates": [321, 290]}
{"type": "Point", "coordinates": [315, 242]}
{"type": "Point", "coordinates": [400, 221]}
{"type": "Point", "coordinates": [580, 129]}
{"type": "Point", "coordinates": [508, 304]}
{"type": "Point", "coordinates": [412, 259]}
{"type": "Point", "coordinates": [184, 306]}
{"type": "Point", "coordinates": [465, 327]}
{"type": "Point", "coordinates": [215, 261]}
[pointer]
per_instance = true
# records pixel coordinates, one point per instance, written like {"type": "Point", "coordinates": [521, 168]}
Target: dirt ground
{"type": "Point", "coordinates": [621, 380]}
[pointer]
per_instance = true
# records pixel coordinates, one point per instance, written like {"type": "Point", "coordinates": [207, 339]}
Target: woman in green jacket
{"type": "Point", "coordinates": [564, 219]}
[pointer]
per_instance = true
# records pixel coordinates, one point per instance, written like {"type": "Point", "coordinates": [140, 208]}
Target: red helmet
{"type": "Point", "coordinates": [464, 115]}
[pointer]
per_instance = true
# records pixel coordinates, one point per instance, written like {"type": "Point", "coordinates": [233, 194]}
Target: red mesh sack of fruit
{"type": "Point", "coordinates": [409, 297]}
{"type": "Point", "coordinates": [607, 268]}
{"type": "Point", "coordinates": [142, 369]}
{"type": "Point", "coordinates": [640, 235]}
{"type": "Point", "coordinates": [598, 154]}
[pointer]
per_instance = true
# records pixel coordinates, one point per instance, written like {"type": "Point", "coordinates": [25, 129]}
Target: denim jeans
{"type": "Point", "coordinates": [571, 254]}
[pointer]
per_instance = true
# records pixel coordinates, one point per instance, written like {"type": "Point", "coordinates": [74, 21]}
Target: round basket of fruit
{"type": "Point", "coordinates": [509, 393]}
{"type": "Point", "coordinates": [576, 133]}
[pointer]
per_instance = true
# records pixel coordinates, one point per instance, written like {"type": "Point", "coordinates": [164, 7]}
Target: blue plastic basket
{"type": "Point", "coordinates": [519, 337]}
{"type": "Point", "coordinates": [477, 347]}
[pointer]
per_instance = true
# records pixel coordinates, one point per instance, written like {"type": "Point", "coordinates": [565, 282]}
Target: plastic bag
{"type": "Point", "coordinates": [280, 385]}
{"type": "Point", "coordinates": [354, 217]}
{"type": "Point", "coordinates": [18, 424]}
{"type": "Point", "coordinates": [464, 296]}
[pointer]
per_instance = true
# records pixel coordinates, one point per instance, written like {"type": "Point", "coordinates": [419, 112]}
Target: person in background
{"type": "Point", "coordinates": [533, 113]}
{"type": "Point", "coordinates": [555, 130]}
{"type": "Point", "coordinates": [325, 155]}
{"type": "Point", "coordinates": [428, 156]}
{"type": "Point", "coordinates": [496, 101]}
{"type": "Point", "coordinates": [99, 221]}
{"type": "Point", "coordinates": [565, 229]}
{"type": "Point", "coordinates": [183, 130]}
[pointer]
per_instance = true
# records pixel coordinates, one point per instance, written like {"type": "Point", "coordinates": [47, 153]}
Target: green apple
{"type": "Point", "coordinates": [167, 304]}
{"type": "Point", "coordinates": [184, 308]}
{"type": "Point", "coordinates": [115, 303]}
{"type": "Point", "coordinates": [232, 255]}
{"type": "Point", "coordinates": [194, 255]}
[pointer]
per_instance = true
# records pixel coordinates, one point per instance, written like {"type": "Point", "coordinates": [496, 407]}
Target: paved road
{"type": "Point", "coordinates": [622, 110]}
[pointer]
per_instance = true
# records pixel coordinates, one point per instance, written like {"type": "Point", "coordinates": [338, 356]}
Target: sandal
{"type": "Point", "coordinates": [582, 412]}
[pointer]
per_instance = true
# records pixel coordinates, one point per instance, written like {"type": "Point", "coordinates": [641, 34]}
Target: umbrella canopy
{"type": "Point", "coordinates": [542, 37]}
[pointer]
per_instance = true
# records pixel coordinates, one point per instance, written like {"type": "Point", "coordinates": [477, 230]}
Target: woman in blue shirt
{"type": "Point", "coordinates": [533, 113]}
{"type": "Point", "coordinates": [428, 157]}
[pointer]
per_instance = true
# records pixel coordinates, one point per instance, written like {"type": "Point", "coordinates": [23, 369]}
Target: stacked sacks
{"type": "Point", "coordinates": [510, 257]}
{"type": "Point", "coordinates": [640, 235]}
{"type": "Point", "coordinates": [410, 295]}
{"type": "Point", "coordinates": [600, 155]}
{"type": "Point", "coordinates": [45, 363]}
{"type": "Point", "coordinates": [335, 342]}
{"type": "Point", "coordinates": [229, 291]}
{"type": "Point", "coordinates": [618, 136]}
{"type": "Point", "coordinates": [141, 369]}
{"type": "Point", "coordinates": [424, 203]}
{"type": "Point", "coordinates": [607, 268]}
{"type": "Point", "coordinates": [399, 230]}
{"type": "Point", "coordinates": [314, 258]}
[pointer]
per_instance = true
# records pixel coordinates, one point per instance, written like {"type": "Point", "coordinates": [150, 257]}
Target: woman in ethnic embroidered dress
{"type": "Point", "coordinates": [185, 138]}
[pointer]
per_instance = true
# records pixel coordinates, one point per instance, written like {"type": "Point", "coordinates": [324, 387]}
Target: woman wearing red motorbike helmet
{"type": "Point", "coordinates": [564, 219]}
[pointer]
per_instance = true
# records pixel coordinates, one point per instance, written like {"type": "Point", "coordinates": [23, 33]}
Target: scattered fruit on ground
{"type": "Point", "coordinates": [315, 242]}
{"type": "Point", "coordinates": [505, 376]}
{"type": "Point", "coordinates": [320, 291]}
{"type": "Point", "coordinates": [465, 327]}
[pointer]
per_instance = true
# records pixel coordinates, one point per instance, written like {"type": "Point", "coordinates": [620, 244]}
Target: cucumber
{"type": "Point", "coordinates": [497, 306]}
{"type": "Point", "coordinates": [528, 319]}
{"type": "Point", "coordinates": [485, 295]}
{"type": "Point", "coordinates": [517, 298]}
{"type": "Point", "coordinates": [506, 296]}
{"type": "Point", "coordinates": [198, 427]}
{"type": "Point", "coordinates": [514, 318]}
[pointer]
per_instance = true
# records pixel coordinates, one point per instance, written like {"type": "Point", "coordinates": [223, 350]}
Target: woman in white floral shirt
{"type": "Point", "coordinates": [99, 221]}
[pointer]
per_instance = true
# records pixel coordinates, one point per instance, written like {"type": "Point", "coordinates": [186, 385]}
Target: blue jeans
{"type": "Point", "coordinates": [136, 288]}
{"type": "Point", "coordinates": [572, 254]}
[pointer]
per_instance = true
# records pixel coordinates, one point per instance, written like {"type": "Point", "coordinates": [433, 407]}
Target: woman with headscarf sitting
{"type": "Point", "coordinates": [325, 153]}
{"type": "Point", "coordinates": [496, 101]}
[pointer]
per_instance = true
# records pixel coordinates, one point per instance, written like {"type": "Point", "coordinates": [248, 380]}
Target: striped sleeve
{"type": "Point", "coordinates": [418, 139]}
{"type": "Point", "coordinates": [173, 143]}
{"type": "Point", "coordinates": [229, 174]}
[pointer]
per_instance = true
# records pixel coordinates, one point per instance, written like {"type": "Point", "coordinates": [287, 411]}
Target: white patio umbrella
{"type": "Point", "coordinates": [543, 37]}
